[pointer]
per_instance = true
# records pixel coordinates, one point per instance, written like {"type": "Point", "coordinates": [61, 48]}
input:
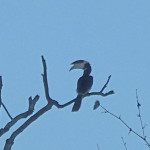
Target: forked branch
{"type": "Point", "coordinates": [50, 103]}
{"type": "Point", "coordinates": [30, 110]}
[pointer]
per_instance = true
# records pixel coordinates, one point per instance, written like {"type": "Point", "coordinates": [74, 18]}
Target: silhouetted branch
{"type": "Point", "coordinates": [124, 143]}
{"type": "Point", "coordinates": [1, 84]}
{"type": "Point", "coordinates": [101, 91]}
{"type": "Point", "coordinates": [130, 129]}
{"type": "Point", "coordinates": [139, 114]}
{"type": "Point", "coordinates": [98, 147]}
{"type": "Point", "coordinates": [45, 81]}
{"type": "Point", "coordinates": [51, 102]}
{"type": "Point", "coordinates": [10, 141]}
{"type": "Point", "coordinates": [88, 94]}
{"type": "Point", "coordinates": [20, 116]}
{"type": "Point", "coordinates": [54, 102]}
{"type": "Point", "coordinates": [6, 110]}
{"type": "Point", "coordinates": [1, 103]}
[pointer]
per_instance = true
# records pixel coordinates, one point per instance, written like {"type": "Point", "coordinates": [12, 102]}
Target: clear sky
{"type": "Point", "coordinates": [114, 36]}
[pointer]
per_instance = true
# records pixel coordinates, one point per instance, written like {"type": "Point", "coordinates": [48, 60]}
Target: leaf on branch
{"type": "Point", "coordinates": [96, 105]}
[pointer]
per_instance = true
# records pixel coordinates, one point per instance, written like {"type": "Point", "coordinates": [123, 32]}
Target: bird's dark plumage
{"type": "Point", "coordinates": [84, 84]}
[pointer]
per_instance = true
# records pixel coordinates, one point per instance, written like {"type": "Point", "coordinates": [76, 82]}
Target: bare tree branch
{"type": "Point", "coordinates": [124, 143]}
{"type": "Point", "coordinates": [1, 103]}
{"type": "Point", "coordinates": [6, 110]}
{"type": "Point", "coordinates": [20, 116]}
{"type": "Point", "coordinates": [130, 129]}
{"type": "Point", "coordinates": [139, 114]}
{"type": "Point", "coordinates": [51, 102]}
{"type": "Point", "coordinates": [98, 147]}
{"type": "Point", "coordinates": [101, 91]}
{"type": "Point", "coordinates": [1, 84]}
{"type": "Point", "coordinates": [88, 94]}
{"type": "Point", "coordinates": [10, 141]}
{"type": "Point", "coordinates": [54, 102]}
{"type": "Point", "coordinates": [45, 82]}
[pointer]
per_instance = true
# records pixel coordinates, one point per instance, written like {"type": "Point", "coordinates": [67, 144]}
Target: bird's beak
{"type": "Point", "coordinates": [73, 67]}
{"type": "Point", "coordinates": [76, 66]}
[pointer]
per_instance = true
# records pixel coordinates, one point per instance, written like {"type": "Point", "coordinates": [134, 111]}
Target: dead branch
{"type": "Point", "coordinates": [130, 129]}
{"type": "Point", "coordinates": [98, 147]}
{"type": "Point", "coordinates": [124, 143]}
{"type": "Point", "coordinates": [50, 103]}
{"type": "Point", "coordinates": [88, 94]}
{"type": "Point", "coordinates": [32, 103]}
{"type": "Point", "coordinates": [139, 114]}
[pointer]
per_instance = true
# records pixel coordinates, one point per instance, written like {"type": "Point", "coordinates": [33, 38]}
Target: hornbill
{"type": "Point", "coordinates": [84, 83]}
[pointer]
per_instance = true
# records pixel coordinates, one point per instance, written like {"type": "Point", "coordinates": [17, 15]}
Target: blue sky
{"type": "Point", "coordinates": [114, 36]}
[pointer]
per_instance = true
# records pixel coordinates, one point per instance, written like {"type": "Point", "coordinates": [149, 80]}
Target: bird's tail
{"type": "Point", "coordinates": [77, 103]}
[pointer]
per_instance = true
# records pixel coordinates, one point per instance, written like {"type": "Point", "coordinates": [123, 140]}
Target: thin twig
{"type": "Point", "coordinates": [98, 147]}
{"type": "Point", "coordinates": [105, 85]}
{"type": "Point", "coordinates": [139, 114]}
{"type": "Point", "coordinates": [101, 91]}
{"type": "Point", "coordinates": [1, 103]}
{"type": "Point", "coordinates": [6, 110]}
{"type": "Point", "coordinates": [45, 82]}
{"type": "Point", "coordinates": [124, 143]}
{"type": "Point", "coordinates": [20, 116]}
{"type": "Point", "coordinates": [1, 84]}
{"type": "Point", "coordinates": [130, 129]}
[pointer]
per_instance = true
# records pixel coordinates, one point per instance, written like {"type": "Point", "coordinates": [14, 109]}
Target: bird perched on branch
{"type": "Point", "coordinates": [84, 83]}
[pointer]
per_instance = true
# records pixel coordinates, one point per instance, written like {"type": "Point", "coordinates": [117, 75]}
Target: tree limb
{"type": "Point", "coordinates": [32, 103]}
{"type": "Point", "coordinates": [124, 143]}
{"type": "Point", "coordinates": [50, 103]}
{"type": "Point", "coordinates": [88, 94]}
{"type": "Point", "coordinates": [139, 114]}
{"type": "Point", "coordinates": [130, 129]}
